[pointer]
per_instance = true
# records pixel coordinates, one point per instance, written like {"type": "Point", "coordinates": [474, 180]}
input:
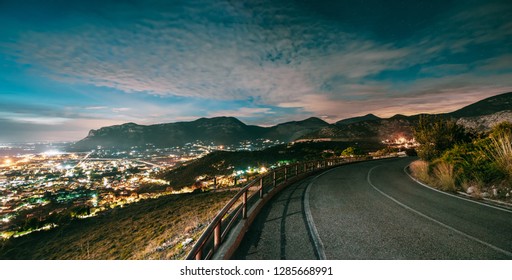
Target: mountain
{"type": "Point", "coordinates": [290, 131]}
{"type": "Point", "coordinates": [488, 106]}
{"type": "Point", "coordinates": [479, 116]}
{"type": "Point", "coordinates": [369, 117]}
{"type": "Point", "coordinates": [220, 130]}
{"type": "Point", "coordinates": [367, 130]}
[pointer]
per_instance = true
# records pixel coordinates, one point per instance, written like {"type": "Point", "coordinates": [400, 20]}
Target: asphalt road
{"type": "Point", "coordinates": [373, 210]}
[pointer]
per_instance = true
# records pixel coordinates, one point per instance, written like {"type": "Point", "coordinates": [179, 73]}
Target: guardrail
{"type": "Point", "coordinates": [237, 208]}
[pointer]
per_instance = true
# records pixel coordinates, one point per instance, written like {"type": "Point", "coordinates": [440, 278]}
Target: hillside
{"type": "Point", "coordinates": [375, 130]}
{"type": "Point", "coordinates": [369, 117]}
{"type": "Point", "coordinates": [224, 163]}
{"type": "Point", "coordinates": [229, 130]}
{"type": "Point", "coordinates": [152, 229]}
{"type": "Point", "coordinates": [488, 106]}
{"type": "Point", "coordinates": [219, 130]}
{"type": "Point", "coordinates": [479, 116]}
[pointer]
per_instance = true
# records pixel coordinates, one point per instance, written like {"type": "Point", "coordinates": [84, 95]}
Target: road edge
{"type": "Point", "coordinates": [502, 205]}
{"type": "Point", "coordinates": [317, 241]}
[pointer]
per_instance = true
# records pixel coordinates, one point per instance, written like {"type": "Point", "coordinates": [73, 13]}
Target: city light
{"type": "Point", "coordinates": [52, 153]}
{"type": "Point", "coordinates": [100, 180]}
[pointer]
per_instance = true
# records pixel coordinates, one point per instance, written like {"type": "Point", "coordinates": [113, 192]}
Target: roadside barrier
{"type": "Point", "coordinates": [241, 210]}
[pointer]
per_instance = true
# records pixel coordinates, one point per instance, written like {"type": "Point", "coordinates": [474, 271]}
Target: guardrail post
{"type": "Point", "coordinates": [217, 237]}
{"type": "Point", "coordinates": [261, 187]}
{"type": "Point", "coordinates": [274, 179]}
{"type": "Point", "coordinates": [286, 173]}
{"type": "Point", "coordinates": [244, 209]}
{"type": "Point", "coordinates": [296, 170]}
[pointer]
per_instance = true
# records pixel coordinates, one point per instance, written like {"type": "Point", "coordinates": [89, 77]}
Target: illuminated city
{"type": "Point", "coordinates": [36, 186]}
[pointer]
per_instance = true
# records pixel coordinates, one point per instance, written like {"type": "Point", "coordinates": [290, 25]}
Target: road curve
{"type": "Point", "coordinates": [373, 210]}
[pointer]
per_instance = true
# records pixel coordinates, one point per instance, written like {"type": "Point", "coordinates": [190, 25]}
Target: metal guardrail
{"type": "Point", "coordinates": [236, 209]}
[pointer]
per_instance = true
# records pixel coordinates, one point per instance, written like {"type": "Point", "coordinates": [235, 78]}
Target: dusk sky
{"type": "Point", "coordinates": [70, 66]}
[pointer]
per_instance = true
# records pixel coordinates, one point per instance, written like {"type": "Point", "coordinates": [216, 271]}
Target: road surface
{"type": "Point", "coordinates": [373, 210]}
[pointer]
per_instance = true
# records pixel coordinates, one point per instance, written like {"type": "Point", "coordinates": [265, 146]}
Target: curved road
{"type": "Point", "coordinates": [373, 210]}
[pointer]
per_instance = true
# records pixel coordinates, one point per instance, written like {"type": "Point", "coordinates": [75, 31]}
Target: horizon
{"type": "Point", "coordinates": [45, 142]}
{"type": "Point", "coordinates": [67, 68]}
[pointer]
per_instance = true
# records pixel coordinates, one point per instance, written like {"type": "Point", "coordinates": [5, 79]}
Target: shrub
{"type": "Point", "coordinates": [436, 135]}
{"type": "Point", "coordinates": [444, 176]}
{"type": "Point", "coordinates": [420, 170]}
{"type": "Point", "coordinates": [500, 152]}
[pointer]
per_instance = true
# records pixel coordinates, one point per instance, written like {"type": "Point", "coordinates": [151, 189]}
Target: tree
{"type": "Point", "coordinates": [351, 151]}
{"type": "Point", "coordinates": [436, 135]}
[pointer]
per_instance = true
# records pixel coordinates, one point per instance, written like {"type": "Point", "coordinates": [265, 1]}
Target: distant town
{"type": "Point", "coordinates": [40, 188]}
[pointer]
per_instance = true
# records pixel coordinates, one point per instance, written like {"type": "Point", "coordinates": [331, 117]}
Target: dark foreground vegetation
{"type": "Point", "coordinates": [453, 159]}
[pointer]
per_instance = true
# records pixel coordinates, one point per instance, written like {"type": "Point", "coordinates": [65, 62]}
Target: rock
{"type": "Point", "coordinates": [485, 194]}
{"type": "Point", "coordinates": [494, 192]}
{"type": "Point", "coordinates": [187, 241]}
{"type": "Point", "coordinates": [471, 190]}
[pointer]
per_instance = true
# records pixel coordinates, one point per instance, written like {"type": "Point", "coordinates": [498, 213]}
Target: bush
{"type": "Point", "coordinates": [444, 176]}
{"type": "Point", "coordinates": [500, 152]}
{"type": "Point", "coordinates": [436, 135]}
{"type": "Point", "coordinates": [420, 170]}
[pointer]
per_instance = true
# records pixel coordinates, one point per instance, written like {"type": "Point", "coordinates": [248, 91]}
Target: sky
{"type": "Point", "coordinates": [70, 66]}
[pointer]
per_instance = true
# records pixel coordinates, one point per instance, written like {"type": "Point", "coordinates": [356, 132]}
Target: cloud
{"type": "Point", "coordinates": [243, 112]}
{"type": "Point", "coordinates": [32, 118]}
{"type": "Point", "coordinates": [279, 61]}
{"type": "Point", "coordinates": [428, 95]}
{"type": "Point", "coordinates": [96, 108]}
{"type": "Point", "coordinates": [123, 109]}
{"type": "Point", "coordinates": [203, 57]}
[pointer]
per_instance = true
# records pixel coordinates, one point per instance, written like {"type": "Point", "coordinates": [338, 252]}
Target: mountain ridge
{"type": "Point", "coordinates": [227, 130]}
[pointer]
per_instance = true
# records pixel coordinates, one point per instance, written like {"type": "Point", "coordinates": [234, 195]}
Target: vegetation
{"type": "Point", "coordinates": [436, 135]}
{"type": "Point", "coordinates": [453, 160]}
{"type": "Point", "coordinates": [224, 163]}
{"type": "Point", "coordinates": [162, 228]}
{"type": "Point", "coordinates": [352, 151]}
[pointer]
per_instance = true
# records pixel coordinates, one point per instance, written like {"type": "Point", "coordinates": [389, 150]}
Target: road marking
{"type": "Point", "coordinates": [317, 241]}
{"type": "Point", "coordinates": [452, 195]}
{"type": "Point", "coordinates": [434, 220]}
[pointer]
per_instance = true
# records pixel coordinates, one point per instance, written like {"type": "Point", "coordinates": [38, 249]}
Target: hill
{"type": "Point", "coordinates": [369, 117]}
{"type": "Point", "coordinates": [219, 130]}
{"type": "Point", "coordinates": [152, 229]}
{"type": "Point", "coordinates": [224, 163]}
{"type": "Point", "coordinates": [481, 115]}
{"type": "Point", "coordinates": [488, 106]}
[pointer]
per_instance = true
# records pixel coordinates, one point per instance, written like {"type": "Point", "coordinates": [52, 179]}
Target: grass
{"type": "Point", "coordinates": [500, 151]}
{"type": "Point", "coordinates": [420, 170]}
{"type": "Point", "coordinates": [444, 176]}
{"type": "Point", "coordinates": [153, 229]}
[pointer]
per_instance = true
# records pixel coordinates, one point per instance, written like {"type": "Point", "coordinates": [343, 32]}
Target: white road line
{"type": "Point", "coordinates": [452, 195]}
{"type": "Point", "coordinates": [434, 220]}
{"type": "Point", "coordinates": [317, 241]}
